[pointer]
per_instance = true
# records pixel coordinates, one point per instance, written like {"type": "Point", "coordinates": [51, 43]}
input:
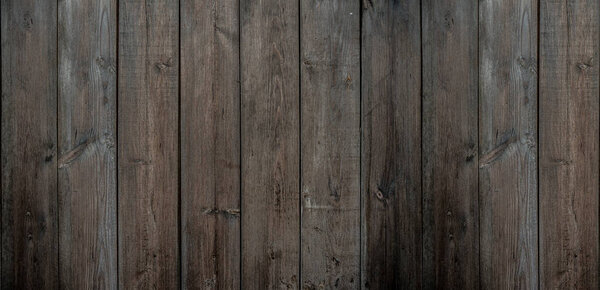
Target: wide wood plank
{"type": "Point", "coordinates": [507, 144]}
{"type": "Point", "coordinates": [270, 109]}
{"type": "Point", "coordinates": [568, 123]}
{"type": "Point", "coordinates": [148, 144]}
{"type": "Point", "coordinates": [87, 152]}
{"type": "Point", "coordinates": [330, 174]}
{"type": "Point", "coordinates": [391, 142]}
{"type": "Point", "coordinates": [210, 144]}
{"type": "Point", "coordinates": [29, 145]}
{"type": "Point", "coordinates": [450, 174]}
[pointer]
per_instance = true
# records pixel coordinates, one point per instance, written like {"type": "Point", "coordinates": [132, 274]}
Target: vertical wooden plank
{"type": "Point", "coordinates": [450, 181]}
{"type": "Point", "coordinates": [270, 144]}
{"type": "Point", "coordinates": [569, 144]}
{"type": "Point", "coordinates": [507, 144]}
{"type": "Point", "coordinates": [391, 114]}
{"type": "Point", "coordinates": [210, 140]}
{"type": "Point", "coordinates": [330, 151]}
{"type": "Point", "coordinates": [87, 154]}
{"type": "Point", "coordinates": [148, 144]}
{"type": "Point", "coordinates": [29, 181]}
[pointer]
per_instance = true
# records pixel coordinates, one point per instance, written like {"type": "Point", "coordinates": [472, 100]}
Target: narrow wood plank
{"type": "Point", "coordinates": [330, 151]}
{"type": "Point", "coordinates": [87, 153]}
{"type": "Point", "coordinates": [270, 144]}
{"type": "Point", "coordinates": [210, 144]}
{"type": "Point", "coordinates": [507, 144]}
{"type": "Point", "coordinates": [569, 144]}
{"type": "Point", "coordinates": [29, 181]}
{"type": "Point", "coordinates": [391, 114]}
{"type": "Point", "coordinates": [450, 175]}
{"type": "Point", "coordinates": [148, 144]}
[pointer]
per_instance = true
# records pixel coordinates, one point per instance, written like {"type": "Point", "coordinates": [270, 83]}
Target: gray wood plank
{"type": "Point", "coordinates": [270, 144]}
{"type": "Point", "coordinates": [210, 140]}
{"type": "Point", "coordinates": [330, 144]}
{"type": "Point", "coordinates": [87, 167]}
{"type": "Point", "coordinates": [568, 168]}
{"type": "Point", "coordinates": [391, 157]}
{"type": "Point", "coordinates": [29, 180]}
{"type": "Point", "coordinates": [148, 144]}
{"type": "Point", "coordinates": [508, 144]}
{"type": "Point", "coordinates": [450, 173]}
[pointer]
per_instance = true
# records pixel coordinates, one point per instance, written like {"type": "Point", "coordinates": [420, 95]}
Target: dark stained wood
{"type": "Point", "coordinates": [148, 144]}
{"type": "Point", "coordinates": [330, 142]}
{"type": "Point", "coordinates": [29, 181]}
{"type": "Point", "coordinates": [210, 140]}
{"type": "Point", "coordinates": [391, 158]}
{"type": "Point", "coordinates": [507, 144]}
{"type": "Point", "coordinates": [87, 166]}
{"type": "Point", "coordinates": [270, 144]}
{"type": "Point", "coordinates": [568, 168]}
{"type": "Point", "coordinates": [450, 181]}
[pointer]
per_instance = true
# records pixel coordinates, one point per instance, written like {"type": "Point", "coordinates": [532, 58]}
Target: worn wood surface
{"type": "Point", "coordinates": [210, 144]}
{"type": "Point", "coordinates": [330, 150]}
{"type": "Point", "coordinates": [29, 145]}
{"type": "Point", "coordinates": [148, 144]}
{"type": "Point", "coordinates": [391, 150]}
{"type": "Point", "coordinates": [87, 187]}
{"type": "Point", "coordinates": [507, 144]}
{"type": "Point", "coordinates": [568, 138]}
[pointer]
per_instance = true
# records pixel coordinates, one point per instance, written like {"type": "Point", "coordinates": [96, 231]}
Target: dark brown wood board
{"type": "Point", "coordinates": [568, 121]}
{"type": "Point", "coordinates": [330, 143]}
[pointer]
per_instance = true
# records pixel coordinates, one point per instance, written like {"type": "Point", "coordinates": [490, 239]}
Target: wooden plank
{"type": "Point", "coordinates": [391, 114]}
{"type": "Point", "coordinates": [87, 156]}
{"type": "Point", "coordinates": [330, 151]}
{"type": "Point", "coordinates": [29, 181]}
{"type": "Point", "coordinates": [270, 144]}
{"type": "Point", "coordinates": [569, 144]}
{"type": "Point", "coordinates": [210, 140]}
{"type": "Point", "coordinates": [450, 174]}
{"type": "Point", "coordinates": [507, 144]}
{"type": "Point", "coordinates": [148, 144]}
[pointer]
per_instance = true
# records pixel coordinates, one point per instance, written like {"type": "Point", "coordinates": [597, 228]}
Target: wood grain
{"type": "Point", "coordinates": [507, 144]}
{"type": "Point", "coordinates": [148, 144]}
{"type": "Point", "coordinates": [568, 123]}
{"type": "Point", "coordinates": [29, 180]}
{"type": "Point", "coordinates": [391, 158]}
{"type": "Point", "coordinates": [210, 140]}
{"type": "Point", "coordinates": [330, 150]}
{"type": "Point", "coordinates": [450, 178]}
{"type": "Point", "coordinates": [270, 109]}
{"type": "Point", "coordinates": [87, 153]}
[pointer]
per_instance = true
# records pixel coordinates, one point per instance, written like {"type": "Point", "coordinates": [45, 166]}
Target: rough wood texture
{"type": "Point", "coordinates": [330, 174]}
{"type": "Point", "coordinates": [568, 121]}
{"type": "Point", "coordinates": [210, 140]}
{"type": "Point", "coordinates": [450, 213]}
{"type": "Point", "coordinates": [29, 181]}
{"type": "Point", "coordinates": [391, 112]}
{"type": "Point", "coordinates": [270, 144]}
{"type": "Point", "coordinates": [148, 144]}
{"type": "Point", "coordinates": [507, 144]}
{"type": "Point", "coordinates": [87, 167]}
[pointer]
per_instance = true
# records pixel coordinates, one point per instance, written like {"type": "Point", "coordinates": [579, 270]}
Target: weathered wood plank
{"type": "Point", "coordinates": [330, 150]}
{"type": "Point", "coordinates": [210, 140]}
{"type": "Point", "coordinates": [270, 144]}
{"type": "Point", "coordinates": [391, 114]}
{"type": "Point", "coordinates": [86, 134]}
{"type": "Point", "coordinates": [450, 174]}
{"type": "Point", "coordinates": [568, 123]}
{"type": "Point", "coordinates": [148, 144]}
{"type": "Point", "coordinates": [29, 181]}
{"type": "Point", "coordinates": [507, 144]}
